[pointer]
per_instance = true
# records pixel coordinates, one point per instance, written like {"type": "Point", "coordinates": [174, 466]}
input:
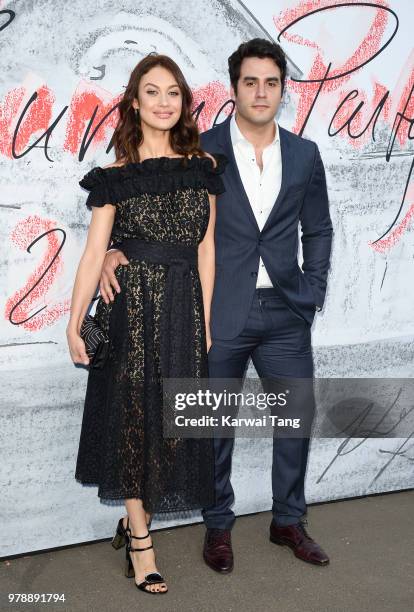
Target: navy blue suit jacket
{"type": "Point", "coordinates": [239, 242]}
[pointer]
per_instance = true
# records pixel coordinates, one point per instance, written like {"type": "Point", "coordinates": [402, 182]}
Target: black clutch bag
{"type": "Point", "coordinates": [96, 342]}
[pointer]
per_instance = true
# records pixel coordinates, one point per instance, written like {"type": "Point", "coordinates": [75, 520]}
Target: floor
{"type": "Point", "coordinates": [370, 542]}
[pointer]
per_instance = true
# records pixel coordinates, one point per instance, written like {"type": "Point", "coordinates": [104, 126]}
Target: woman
{"type": "Point", "coordinates": [158, 202]}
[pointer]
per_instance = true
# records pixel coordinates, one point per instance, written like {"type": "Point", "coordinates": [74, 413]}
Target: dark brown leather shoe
{"type": "Point", "coordinates": [218, 553]}
{"type": "Point", "coordinates": [296, 537]}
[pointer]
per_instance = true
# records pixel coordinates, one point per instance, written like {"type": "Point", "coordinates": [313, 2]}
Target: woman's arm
{"type": "Point", "coordinates": [87, 277]}
{"type": "Point", "coordinates": [206, 266]}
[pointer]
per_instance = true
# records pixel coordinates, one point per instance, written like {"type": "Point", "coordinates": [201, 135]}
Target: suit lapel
{"type": "Point", "coordinates": [287, 158]}
{"type": "Point", "coordinates": [236, 184]}
{"type": "Point", "coordinates": [232, 173]}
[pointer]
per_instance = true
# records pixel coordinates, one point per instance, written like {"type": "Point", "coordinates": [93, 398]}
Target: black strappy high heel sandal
{"type": "Point", "coordinates": [149, 579]}
{"type": "Point", "coordinates": [121, 535]}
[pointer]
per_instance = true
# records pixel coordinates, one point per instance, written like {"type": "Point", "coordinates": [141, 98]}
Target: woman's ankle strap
{"type": "Point", "coordinates": [140, 537]}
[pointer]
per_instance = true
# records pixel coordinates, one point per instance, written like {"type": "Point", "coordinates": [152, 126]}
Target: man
{"type": "Point", "coordinates": [263, 303]}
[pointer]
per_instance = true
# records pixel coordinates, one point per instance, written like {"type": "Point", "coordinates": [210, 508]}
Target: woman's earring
{"type": "Point", "coordinates": [137, 116]}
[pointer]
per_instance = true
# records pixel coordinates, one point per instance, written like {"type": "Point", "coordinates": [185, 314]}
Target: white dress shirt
{"type": "Point", "coordinates": [262, 188]}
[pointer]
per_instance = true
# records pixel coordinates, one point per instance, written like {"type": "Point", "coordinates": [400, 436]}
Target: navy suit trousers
{"type": "Point", "coordinates": [279, 342]}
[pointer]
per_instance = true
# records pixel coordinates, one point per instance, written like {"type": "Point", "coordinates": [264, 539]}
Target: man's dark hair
{"type": "Point", "coordinates": [257, 47]}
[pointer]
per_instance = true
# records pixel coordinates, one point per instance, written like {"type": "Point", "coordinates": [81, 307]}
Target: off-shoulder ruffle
{"type": "Point", "coordinates": [154, 175]}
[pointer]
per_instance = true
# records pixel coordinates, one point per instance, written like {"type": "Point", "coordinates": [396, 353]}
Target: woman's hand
{"type": "Point", "coordinates": [76, 347]}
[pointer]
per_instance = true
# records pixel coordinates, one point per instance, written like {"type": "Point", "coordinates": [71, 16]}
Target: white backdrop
{"type": "Point", "coordinates": [64, 66]}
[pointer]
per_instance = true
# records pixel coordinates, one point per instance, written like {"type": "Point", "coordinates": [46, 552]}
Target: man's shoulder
{"type": "Point", "coordinates": [212, 135]}
{"type": "Point", "coordinates": [301, 141]}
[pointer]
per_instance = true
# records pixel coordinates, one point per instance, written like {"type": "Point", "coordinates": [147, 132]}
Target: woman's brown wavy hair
{"type": "Point", "coordinates": [184, 135]}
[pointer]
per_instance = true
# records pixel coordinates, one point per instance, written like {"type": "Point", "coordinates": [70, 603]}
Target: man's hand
{"type": "Point", "coordinates": [108, 281]}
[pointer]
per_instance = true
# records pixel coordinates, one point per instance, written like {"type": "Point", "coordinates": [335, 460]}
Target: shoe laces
{"type": "Point", "coordinates": [221, 535]}
{"type": "Point", "coordinates": [302, 524]}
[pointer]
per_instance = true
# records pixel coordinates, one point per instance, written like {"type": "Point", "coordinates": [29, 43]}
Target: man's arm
{"type": "Point", "coordinates": [316, 231]}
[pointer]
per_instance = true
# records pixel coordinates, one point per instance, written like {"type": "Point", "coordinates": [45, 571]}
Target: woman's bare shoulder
{"type": "Point", "coordinates": [118, 164]}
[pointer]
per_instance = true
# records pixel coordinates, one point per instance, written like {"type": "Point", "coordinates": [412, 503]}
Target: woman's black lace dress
{"type": "Point", "coordinates": [156, 326]}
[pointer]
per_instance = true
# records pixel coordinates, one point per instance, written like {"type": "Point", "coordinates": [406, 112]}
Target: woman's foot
{"type": "Point", "coordinates": [144, 562]}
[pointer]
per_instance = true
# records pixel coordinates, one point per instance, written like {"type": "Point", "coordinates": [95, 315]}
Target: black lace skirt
{"type": "Point", "coordinates": [122, 449]}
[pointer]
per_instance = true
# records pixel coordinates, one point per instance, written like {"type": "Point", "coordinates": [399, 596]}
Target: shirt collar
{"type": "Point", "coordinates": [236, 135]}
